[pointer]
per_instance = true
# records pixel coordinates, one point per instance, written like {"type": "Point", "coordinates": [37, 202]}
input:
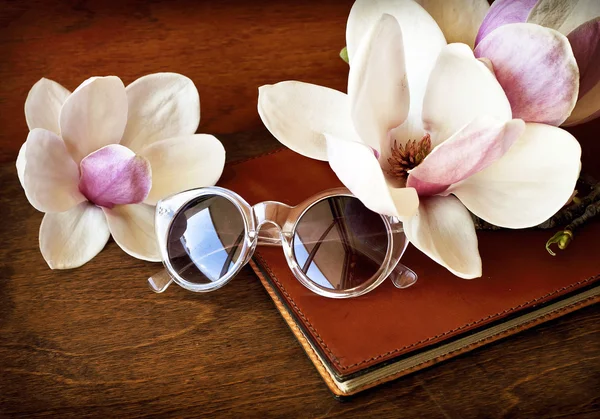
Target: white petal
{"type": "Point", "coordinates": [71, 238]}
{"type": "Point", "coordinates": [423, 41]}
{"type": "Point", "coordinates": [21, 163]}
{"type": "Point", "coordinates": [132, 227]}
{"type": "Point", "coordinates": [43, 103]}
{"type": "Point", "coordinates": [358, 169]}
{"type": "Point", "coordinates": [298, 114]}
{"type": "Point", "coordinates": [459, 19]}
{"type": "Point", "coordinates": [460, 89]}
{"type": "Point", "coordinates": [94, 116]}
{"type": "Point", "coordinates": [183, 163]}
{"type": "Point", "coordinates": [50, 176]}
{"type": "Point", "coordinates": [585, 41]}
{"type": "Point", "coordinates": [444, 231]}
{"type": "Point", "coordinates": [533, 180]}
{"type": "Point", "coordinates": [563, 15]}
{"type": "Point", "coordinates": [161, 106]}
{"type": "Point", "coordinates": [377, 85]}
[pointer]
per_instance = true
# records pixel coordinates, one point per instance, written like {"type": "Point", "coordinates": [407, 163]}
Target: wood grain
{"type": "Point", "coordinates": [228, 48]}
{"type": "Point", "coordinates": [95, 342]}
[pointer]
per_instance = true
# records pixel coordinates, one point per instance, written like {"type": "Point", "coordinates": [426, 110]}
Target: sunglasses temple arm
{"type": "Point", "coordinates": [160, 281]}
{"type": "Point", "coordinates": [404, 276]}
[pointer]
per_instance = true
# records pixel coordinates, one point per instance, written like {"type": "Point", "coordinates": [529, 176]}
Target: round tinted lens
{"type": "Point", "coordinates": [340, 244]}
{"type": "Point", "coordinates": [206, 239]}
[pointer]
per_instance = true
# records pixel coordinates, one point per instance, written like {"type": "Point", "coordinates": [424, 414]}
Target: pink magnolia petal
{"type": "Point", "coordinates": [563, 15]}
{"type": "Point", "coordinates": [443, 230]}
{"type": "Point", "coordinates": [585, 41]}
{"type": "Point", "coordinates": [458, 19]}
{"type": "Point", "coordinates": [469, 151]}
{"type": "Point", "coordinates": [50, 176]}
{"type": "Point", "coordinates": [71, 238]}
{"type": "Point", "coordinates": [503, 12]}
{"type": "Point", "coordinates": [43, 104]}
{"type": "Point", "coordinates": [93, 116]}
{"type": "Point", "coordinates": [357, 167]}
{"type": "Point", "coordinates": [460, 89]}
{"type": "Point", "coordinates": [161, 106]}
{"type": "Point", "coordinates": [183, 163]}
{"type": "Point", "coordinates": [537, 70]}
{"type": "Point", "coordinates": [377, 84]}
{"type": "Point", "coordinates": [529, 184]}
{"type": "Point", "coordinates": [132, 228]}
{"type": "Point", "coordinates": [114, 175]}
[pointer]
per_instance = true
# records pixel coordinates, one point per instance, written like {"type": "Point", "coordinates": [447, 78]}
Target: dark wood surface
{"type": "Point", "coordinates": [96, 342]}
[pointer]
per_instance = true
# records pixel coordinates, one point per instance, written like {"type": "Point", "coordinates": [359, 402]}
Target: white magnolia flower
{"type": "Point", "coordinates": [426, 133]}
{"type": "Point", "coordinates": [97, 160]}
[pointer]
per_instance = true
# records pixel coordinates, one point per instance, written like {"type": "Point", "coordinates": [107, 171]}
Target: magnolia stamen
{"type": "Point", "coordinates": [408, 156]}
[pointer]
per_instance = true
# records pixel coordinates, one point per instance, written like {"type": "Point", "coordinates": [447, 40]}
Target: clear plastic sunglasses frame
{"type": "Point", "coordinates": [273, 224]}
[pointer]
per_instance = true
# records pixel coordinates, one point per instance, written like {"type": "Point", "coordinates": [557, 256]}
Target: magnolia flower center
{"type": "Point", "coordinates": [408, 156]}
{"type": "Point", "coordinates": [115, 175]}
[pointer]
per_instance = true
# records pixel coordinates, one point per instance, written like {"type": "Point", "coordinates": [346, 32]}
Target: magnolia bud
{"type": "Point", "coordinates": [344, 55]}
{"type": "Point", "coordinates": [562, 240]}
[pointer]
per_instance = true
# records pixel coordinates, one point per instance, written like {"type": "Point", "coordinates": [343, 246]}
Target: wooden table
{"type": "Point", "coordinates": [96, 342]}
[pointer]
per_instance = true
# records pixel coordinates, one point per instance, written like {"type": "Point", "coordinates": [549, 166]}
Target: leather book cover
{"type": "Point", "coordinates": [357, 334]}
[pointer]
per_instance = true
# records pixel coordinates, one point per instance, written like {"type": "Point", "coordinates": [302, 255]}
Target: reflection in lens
{"type": "Point", "coordinates": [340, 244]}
{"type": "Point", "coordinates": [205, 239]}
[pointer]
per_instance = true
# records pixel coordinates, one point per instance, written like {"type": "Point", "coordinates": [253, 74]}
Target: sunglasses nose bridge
{"type": "Point", "coordinates": [272, 215]}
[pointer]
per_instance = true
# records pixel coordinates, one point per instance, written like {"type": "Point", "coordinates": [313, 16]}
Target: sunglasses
{"type": "Point", "coordinates": [333, 244]}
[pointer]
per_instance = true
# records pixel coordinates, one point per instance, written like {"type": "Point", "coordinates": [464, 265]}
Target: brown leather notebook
{"type": "Point", "coordinates": [360, 342]}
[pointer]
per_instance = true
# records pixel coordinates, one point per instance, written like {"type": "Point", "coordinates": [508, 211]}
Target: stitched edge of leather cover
{"type": "Point", "coordinates": [332, 385]}
{"type": "Point", "coordinates": [437, 338]}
